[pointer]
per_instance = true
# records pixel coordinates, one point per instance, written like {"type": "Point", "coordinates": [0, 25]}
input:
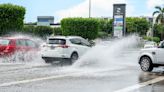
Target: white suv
{"type": "Point", "coordinates": [152, 57]}
{"type": "Point", "coordinates": [64, 49]}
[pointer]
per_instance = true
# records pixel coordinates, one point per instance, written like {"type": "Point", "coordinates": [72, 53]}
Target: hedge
{"type": "Point", "coordinates": [103, 35]}
{"type": "Point", "coordinates": [11, 18]}
{"type": "Point", "coordinates": [155, 39]}
{"type": "Point", "coordinates": [43, 31]}
{"type": "Point", "coordinates": [105, 25]}
{"type": "Point", "coordinates": [28, 29]}
{"type": "Point", "coordinates": [57, 31]}
{"type": "Point", "coordinates": [85, 27]}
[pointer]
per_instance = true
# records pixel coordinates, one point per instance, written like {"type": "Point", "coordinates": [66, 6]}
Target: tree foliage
{"type": "Point", "coordinates": [11, 18]}
{"type": "Point", "coordinates": [43, 31]}
{"type": "Point", "coordinates": [28, 29]}
{"type": "Point", "coordinates": [159, 30]}
{"type": "Point", "coordinates": [105, 25]}
{"type": "Point", "coordinates": [155, 39]}
{"type": "Point", "coordinates": [57, 31]}
{"type": "Point", "coordinates": [137, 25]}
{"type": "Point", "coordinates": [160, 16]}
{"type": "Point", "coordinates": [85, 27]}
{"type": "Point", "coordinates": [159, 26]}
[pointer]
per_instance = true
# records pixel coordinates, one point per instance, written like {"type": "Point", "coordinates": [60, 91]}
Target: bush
{"type": "Point", "coordinates": [28, 29]}
{"type": "Point", "coordinates": [43, 31]}
{"type": "Point", "coordinates": [105, 25]}
{"type": "Point", "coordinates": [136, 25]}
{"type": "Point", "coordinates": [155, 39]}
{"type": "Point", "coordinates": [57, 31]}
{"type": "Point", "coordinates": [11, 18]}
{"type": "Point", "coordinates": [85, 27]}
{"type": "Point", "coordinates": [103, 35]}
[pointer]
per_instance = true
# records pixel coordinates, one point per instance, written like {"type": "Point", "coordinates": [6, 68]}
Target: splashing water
{"type": "Point", "coordinates": [31, 57]}
{"type": "Point", "coordinates": [110, 54]}
{"type": "Point", "coordinates": [106, 54]}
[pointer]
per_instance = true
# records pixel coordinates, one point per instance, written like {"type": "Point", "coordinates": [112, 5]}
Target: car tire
{"type": "Point", "coordinates": [74, 58]}
{"type": "Point", "coordinates": [146, 64]}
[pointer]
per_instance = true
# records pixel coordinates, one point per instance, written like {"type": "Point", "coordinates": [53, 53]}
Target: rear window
{"type": "Point", "coordinates": [57, 41]}
{"type": "Point", "coordinates": [4, 42]}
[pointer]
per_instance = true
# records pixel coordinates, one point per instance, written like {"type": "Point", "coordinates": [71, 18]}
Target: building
{"type": "Point", "coordinates": [45, 20]}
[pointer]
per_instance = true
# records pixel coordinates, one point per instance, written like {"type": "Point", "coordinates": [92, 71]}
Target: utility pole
{"type": "Point", "coordinates": [89, 8]}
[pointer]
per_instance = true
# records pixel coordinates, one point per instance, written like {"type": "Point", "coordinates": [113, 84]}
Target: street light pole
{"type": "Point", "coordinates": [89, 8]}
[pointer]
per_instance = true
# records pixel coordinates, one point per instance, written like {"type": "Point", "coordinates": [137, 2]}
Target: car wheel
{"type": "Point", "coordinates": [74, 58]}
{"type": "Point", "coordinates": [146, 64]}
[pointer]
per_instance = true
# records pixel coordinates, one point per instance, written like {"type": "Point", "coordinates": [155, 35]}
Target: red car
{"type": "Point", "coordinates": [9, 45]}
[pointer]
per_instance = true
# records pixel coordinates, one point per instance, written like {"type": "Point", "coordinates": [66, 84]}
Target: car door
{"type": "Point", "coordinates": [160, 54]}
{"type": "Point", "coordinates": [31, 46]}
{"type": "Point", "coordinates": [77, 44]}
{"type": "Point", "coordinates": [85, 45]}
{"type": "Point", "coordinates": [20, 45]}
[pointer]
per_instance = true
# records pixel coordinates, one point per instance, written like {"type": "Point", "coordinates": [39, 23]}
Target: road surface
{"type": "Point", "coordinates": [48, 78]}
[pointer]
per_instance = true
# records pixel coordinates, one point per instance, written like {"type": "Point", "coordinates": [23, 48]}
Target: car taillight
{"type": "Point", "coordinates": [7, 49]}
{"type": "Point", "coordinates": [64, 46]}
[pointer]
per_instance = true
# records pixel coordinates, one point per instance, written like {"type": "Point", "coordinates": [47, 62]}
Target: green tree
{"type": "Point", "coordinates": [130, 25]}
{"type": "Point", "coordinates": [105, 25]}
{"type": "Point", "coordinates": [157, 31]}
{"type": "Point", "coordinates": [110, 26]}
{"type": "Point", "coordinates": [160, 16]}
{"type": "Point", "coordinates": [57, 31]}
{"type": "Point", "coordinates": [137, 25]}
{"type": "Point", "coordinates": [43, 31]}
{"type": "Point", "coordinates": [11, 18]}
{"type": "Point", "coordinates": [159, 20]}
{"type": "Point", "coordinates": [160, 29]}
{"type": "Point", "coordinates": [28, 29]}
{"type": "Point", "coordinates": [105, 28]}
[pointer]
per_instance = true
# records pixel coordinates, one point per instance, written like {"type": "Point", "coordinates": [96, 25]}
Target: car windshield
{"type": "Point", "coordinates": [4, 41]}
{"type": "Point", "coordinates": [57, 41]}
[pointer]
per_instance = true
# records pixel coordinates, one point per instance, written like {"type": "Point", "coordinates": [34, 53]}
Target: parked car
{"type": "Point", "coordinates": [151, 57]}
{"type": "Point", "coordinates": [11, 45]}
{"type": "Point", "coordinates": [64, 49]}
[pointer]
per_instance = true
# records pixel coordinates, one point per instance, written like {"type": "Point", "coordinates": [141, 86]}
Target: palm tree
{"type": "Point", "coordinates": [160, 16]}
{"type": "Point", "coordinates": [160, 19]}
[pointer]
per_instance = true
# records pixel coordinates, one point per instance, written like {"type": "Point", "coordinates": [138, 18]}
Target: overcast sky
{"type": "Point", "coordinates": [79, 8]}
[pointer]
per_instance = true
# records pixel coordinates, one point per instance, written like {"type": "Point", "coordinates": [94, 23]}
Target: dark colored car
{"type": "Point", "coordinates": [8, 46]}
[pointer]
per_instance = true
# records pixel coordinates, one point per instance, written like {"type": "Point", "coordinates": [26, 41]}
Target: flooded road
{"type": "Point", "coordinates": [110, 66]}
{"type": "Point", "coordinates": [48, 78]}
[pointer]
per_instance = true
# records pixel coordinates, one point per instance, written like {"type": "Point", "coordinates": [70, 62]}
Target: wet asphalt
{"type": "Point", "coordinates": [80, 80]}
